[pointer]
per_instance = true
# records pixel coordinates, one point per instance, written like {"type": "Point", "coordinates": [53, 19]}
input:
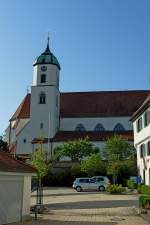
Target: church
{"type": "Point", "coordinates": [51, 117]}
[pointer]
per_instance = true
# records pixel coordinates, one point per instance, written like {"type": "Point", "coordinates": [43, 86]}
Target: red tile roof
{"type": "Point", "coordinates": [92, 135]}
{"type": "Point", "coordinates": [92, 104]}
{"type": "Point", "coordinates": [23, 111]}
{"type": "Point", "coordinates": [8, 164]}
{"type": "Point", "coordinates": [101, 104]}
{"type": "Point", "coordinates": [141, 109]}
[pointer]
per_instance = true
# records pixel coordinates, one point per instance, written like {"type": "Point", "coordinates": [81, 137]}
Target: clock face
{"type": "Point", "coordinates": [43, 68]}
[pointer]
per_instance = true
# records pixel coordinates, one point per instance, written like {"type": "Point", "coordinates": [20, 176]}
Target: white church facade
{"type": "Point", "coordinates": [53, 117]}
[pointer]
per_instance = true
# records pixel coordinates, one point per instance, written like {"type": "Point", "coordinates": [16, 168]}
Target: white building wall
{"type": "Point", "coordinates": [44, 113]}
{"type": "Point", "coordinates": [142, 137]}
{"type": "Point", "coordinates": [69, 124]}
{"type": "Point", "coordinates": [10, 198]}
{"type": "Point", "coordinates": [26, 196]}
{"type": "Point", "coordinates": [52, 75]}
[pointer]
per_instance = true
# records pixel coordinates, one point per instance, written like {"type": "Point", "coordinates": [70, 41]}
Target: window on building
{"type": "Point", "coordinates": [119, 127]}
{"type": "Point", "coordinates": [56, 100]}
{"type": "Point", "coordinates": [146, 118]}
{"type": "Point", "coordinates": [24, 140]}
{"type": "Point", "coordinates": [139, 124]}
{"type": "Point", "coordinates": [142, 150]}
{"type": "Point", "coordinates": [80, 127]}
{"type": "Point", "coordinates": [148, 148]}
{"type": "Point", "coordinates": [43, 78]}
{"type": "Point", "coordinates": [42, 98]}
{"type": "Point", "coordinates": [41, 125]}
{"type": "Point", "coordinates": [58, 82]}
{"type": "Point", "coordinates": [99, 127]}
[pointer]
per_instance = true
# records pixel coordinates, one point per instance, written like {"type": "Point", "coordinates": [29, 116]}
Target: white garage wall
{"type": "Point", "coordinates": [10, 198]}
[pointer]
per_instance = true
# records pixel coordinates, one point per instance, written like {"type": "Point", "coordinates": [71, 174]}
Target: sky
{"type": "Point", "coordinates": [100, 45]}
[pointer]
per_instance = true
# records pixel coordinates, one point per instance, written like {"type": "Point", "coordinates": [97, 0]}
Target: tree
{"type": "Point", "coordinates": [117, 152]}
{"type": "Point", "coordinates": [76, 150]}
{"type": "Point", "coordinates": [3, 145]}
{"type": "Point", "coordinates": [93, 165]}
{"type": "Point", "coordinates": [39, 160]}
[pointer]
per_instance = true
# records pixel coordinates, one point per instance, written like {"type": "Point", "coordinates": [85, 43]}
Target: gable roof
{"type": "Point", "coordinates": [92, 104]}
{"type": "Point", "coordinates": [23, 110]}
{"type": "Point", "coordinates": [141, 109]}
{"type": "Point", "coordinates": [8, 164]}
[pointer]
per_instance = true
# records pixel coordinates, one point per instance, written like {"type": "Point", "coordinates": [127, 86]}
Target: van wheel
{"type": "Point", "coordinates": [78, 189]}
{"type": "Point", "coordinates": [101, 188]}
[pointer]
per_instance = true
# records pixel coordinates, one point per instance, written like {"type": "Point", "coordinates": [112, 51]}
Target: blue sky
{"type": "Point", "coordinates": [100, 44]}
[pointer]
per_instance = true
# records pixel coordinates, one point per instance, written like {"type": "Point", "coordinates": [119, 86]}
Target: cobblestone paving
{"type": "Point", "coordinates": [70, 208]}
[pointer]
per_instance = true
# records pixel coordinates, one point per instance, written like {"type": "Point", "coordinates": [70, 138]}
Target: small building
{"type": "Point", "coordinates": [141, 126]}
{"type": "Point", "coordinates": [15, 189]}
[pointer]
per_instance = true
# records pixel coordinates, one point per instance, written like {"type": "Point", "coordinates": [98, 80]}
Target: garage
{"type": "Point", "coordinates": [15, 189]}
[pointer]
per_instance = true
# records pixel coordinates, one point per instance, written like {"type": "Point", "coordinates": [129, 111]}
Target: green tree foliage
{"type": "Point", "coordinates": [119, 154]}
{"type": "Point", "coordinates": [39, 160]}
{"type": "Point", "coordinates": [3, 145]}
{"type": "Point", "coordinates": [76, 150]}
{"type": "Point", "coordinates": [93, 165]}
{"type": "Point", "coordinates": [76, 171]}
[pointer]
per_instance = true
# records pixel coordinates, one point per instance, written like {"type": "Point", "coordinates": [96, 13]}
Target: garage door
{"type": "Point", "coordinates": [10, 198]}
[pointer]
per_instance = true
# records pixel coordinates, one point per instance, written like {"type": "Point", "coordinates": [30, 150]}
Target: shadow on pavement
{"type": "Point", "coordinates": [94, 204]}
{"type": "Point", "coordinates": [65, 222]}
{"type": "Point", "coordinates": [67, 194]}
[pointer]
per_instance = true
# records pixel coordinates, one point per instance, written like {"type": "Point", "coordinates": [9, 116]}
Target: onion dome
{"type": "Point", "coordinates": [47, 57]}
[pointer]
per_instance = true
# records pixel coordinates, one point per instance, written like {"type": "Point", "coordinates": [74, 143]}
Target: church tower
{"type": "Point", "coordinates": [45, 95]}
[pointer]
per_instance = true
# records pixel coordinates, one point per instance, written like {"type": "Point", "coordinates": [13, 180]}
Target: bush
{"type": "Point", "coordinates": [139, 188]}
{"type": "Point", "coordinates": [131, 184]}
{"type": "Point", "coordinates": [62, 178]}
{"type": "Point", "coordinates": [144, 201]}
{"type": "Point", "coordinates": [115, 189]}
{"type": "Point", "coordinates": [76, 171]}
{"type": "Point", "coordinates": [145, 189]}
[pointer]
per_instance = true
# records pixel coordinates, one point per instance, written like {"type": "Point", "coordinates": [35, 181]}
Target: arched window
{"type": "Point", "coordinates": [99, 127]}
{"type": "Point", "coordinates": [119, 127]}
{"type": "Point", "coordinates": [42, 98]}
{"type": "Point", "coordinates": [80, 127]}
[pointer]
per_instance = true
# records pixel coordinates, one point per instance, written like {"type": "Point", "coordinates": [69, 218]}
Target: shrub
{"type": "Point", "coordinates": [115, 189]}
{"type": "Point", "coordinates": [139, 188]}
{"type": "Point", "coordinates": [131, 184]}
{"type": "Point", "coordinates": [145, 189]}
{"type": "Point", "coordinates": [144, 201]}
{"type": "Point", "coordinates": [76, 171]}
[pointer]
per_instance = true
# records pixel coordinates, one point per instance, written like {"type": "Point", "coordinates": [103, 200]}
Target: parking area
{"type": "Point", "coordinates": [68, 207]}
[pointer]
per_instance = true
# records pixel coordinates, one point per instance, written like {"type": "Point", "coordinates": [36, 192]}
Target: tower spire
{"type": "Point", "coordinates": [47, 48]}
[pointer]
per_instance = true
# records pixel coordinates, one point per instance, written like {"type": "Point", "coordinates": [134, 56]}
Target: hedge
{"type": "Point", "coordinates": [144, 201]}
{"type": "Point", "coordinates": [115, 189]}
{"type": "Point", "coordinates": [144, 189]}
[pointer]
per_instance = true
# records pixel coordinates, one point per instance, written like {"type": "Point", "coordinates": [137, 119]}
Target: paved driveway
{"type": "Point", "coordinates": [67, 207]}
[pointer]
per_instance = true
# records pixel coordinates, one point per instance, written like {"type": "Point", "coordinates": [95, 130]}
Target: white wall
{"type": "Point", "coordinates": [10, 198]}
{"type": "Point", "coordinates": [52, 75]}
{"type": "Point", "coordinates": [69, 124]}
{"type": "Point", "coordinates": [26, 196]}
{"type": "Point", "coordinates": [15, 190]}
{"type": "Point", "coordinates": [142, 137]}
{"type": "Point", "coordinates": [143, 134]}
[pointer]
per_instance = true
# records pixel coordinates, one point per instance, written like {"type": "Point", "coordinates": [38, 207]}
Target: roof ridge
{"type": "Point", "coordinates": [104, 91]}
